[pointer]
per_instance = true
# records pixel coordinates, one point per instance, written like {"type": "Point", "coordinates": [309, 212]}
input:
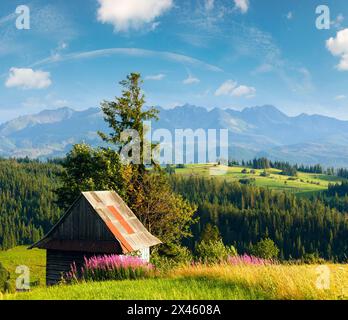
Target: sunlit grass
{"type": "Point", "coordinates": [284, 282]}
{"type": "Point", "coordinates": [219, 282]}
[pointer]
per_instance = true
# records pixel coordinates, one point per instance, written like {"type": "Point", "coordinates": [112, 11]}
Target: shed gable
{"type": "Point", "coordinates": [98, 222]}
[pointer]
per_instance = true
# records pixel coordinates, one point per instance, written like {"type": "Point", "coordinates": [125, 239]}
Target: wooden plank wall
{"type": "Point", "coordinates": [59, 262]}
{"type": "Point", "coordinates": [83, 223]}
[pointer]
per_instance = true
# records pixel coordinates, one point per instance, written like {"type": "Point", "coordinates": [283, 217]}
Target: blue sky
{"type": "Point", "coordinates": [221, 53]}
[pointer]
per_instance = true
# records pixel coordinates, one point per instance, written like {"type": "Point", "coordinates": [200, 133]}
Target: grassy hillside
{"type": "Point", "coordinates": [211, 283]}
{"type": "Point", "coordinates": [303, 184]}
{"type": "Point", "coordinates": [34, 259]}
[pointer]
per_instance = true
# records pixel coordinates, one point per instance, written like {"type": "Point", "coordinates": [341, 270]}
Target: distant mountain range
{"type": "Point", "coordinates": [253, 132]}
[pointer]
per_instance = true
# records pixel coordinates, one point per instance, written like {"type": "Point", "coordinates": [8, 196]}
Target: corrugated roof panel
{"type": "Point", "coordinates": [138, 225]}
{"type": "Point", "coordinates": [121, 221]}
{"type": "Point", "coordinates": [122, 205]}
{"type": "Point", "coordinates": [95, 197]}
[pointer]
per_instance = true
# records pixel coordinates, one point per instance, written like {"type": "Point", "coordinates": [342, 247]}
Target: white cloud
{"type": "Point", "coordinates": [28, 79]}
{"type": "Point", "coordinates": [191, 80]}
{"type": "Point", "coordinates": [341, 97]}
{"type": "Point", "coordinates": [209, 4]}
{"type": "Point", "coordinates": [242, 5]}
{"type": "Point", "coordinates": [244, 91]}
{"type": "Point", "coordinates": [339, 47]}
{"type": "Point", "coordinates": [131, 14]}
{"type": "Point", "coordinates": [226, 88]}
{"type": "Point", "coordinates": [290, 15]}
{"type": "Point", "coordinates": [156, 77]}
{"type": "Point", "coordinates": [231, 88]}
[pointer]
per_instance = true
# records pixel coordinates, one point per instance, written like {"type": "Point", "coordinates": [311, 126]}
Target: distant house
{"type": "Point", "coordinates": [97, 223]}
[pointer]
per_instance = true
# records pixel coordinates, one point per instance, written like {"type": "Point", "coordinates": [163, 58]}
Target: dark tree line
{"type": "Point", "coordinates": [245, 214]}
{"type": "Point", "coordinates": [342, 173]}
{"type": "Point", "coordinates": [339, 189]}
{"type": "Point", "coordinates": [290, 169]}
{"type": "Point", "coordinates": [311, 169]}
{"type": "Point", "coordinates": [336, 196]}
{"type": "Point", "coordinates": [264, 163]}
{"type": "Point", "coordinates": [27, 201]}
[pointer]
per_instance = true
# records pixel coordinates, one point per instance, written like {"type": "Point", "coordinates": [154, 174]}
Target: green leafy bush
{"type": "Point", "coordinates": [248, 182]}
{"type": "Point", "coordinates": [171, 256]}
{"type": "Point", "coordinates": [210, 233]}
{"type": "Point", "coordinates": [312, 258]}
{"type": "Point", "coordinates": [264, 174]}
{"type": "Point", "coordinates": [265, 249]}
{"type": "Point", "coordinates": [5, 285]}
{"type": "Point", "coordinates": [211, 252]}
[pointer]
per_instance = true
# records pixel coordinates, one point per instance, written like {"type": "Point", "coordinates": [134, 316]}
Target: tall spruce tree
{"type": "Point", "coordinates": [146, 190]}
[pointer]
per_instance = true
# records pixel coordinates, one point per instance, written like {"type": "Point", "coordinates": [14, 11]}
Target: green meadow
{"type": "Point", "coordinates": [303, 184]}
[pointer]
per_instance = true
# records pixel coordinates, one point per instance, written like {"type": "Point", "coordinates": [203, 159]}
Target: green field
{"type": "Point", "coordinates": [303, 184]}
{"type": "Point", "coordinates": [34, 259]}
{"type": "Point", "coordinates": [219, 282]}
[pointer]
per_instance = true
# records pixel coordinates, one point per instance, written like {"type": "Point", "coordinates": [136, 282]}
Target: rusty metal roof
{"type": "Point", "coordinates": [128, 231]}
{"type": "Point", "coordinates": [120, 220]}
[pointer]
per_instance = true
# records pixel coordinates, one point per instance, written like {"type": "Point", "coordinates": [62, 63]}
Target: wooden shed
{"type": "Point", "coordinates": [97, 223]}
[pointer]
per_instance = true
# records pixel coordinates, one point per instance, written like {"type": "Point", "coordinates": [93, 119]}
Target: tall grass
{"type": "Point", "coordinates": [219, 282]}
{"type": "Point", "coordinates": [276, 281]}
{"type": "Point", "coordinates": [250, 260]}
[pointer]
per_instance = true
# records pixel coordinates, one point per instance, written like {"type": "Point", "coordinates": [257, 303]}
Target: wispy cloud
{"type": "Point", "coordinates": [231, 88]}
{"type": "Point", "coordinates": [53, 21]}
{"type": "Point", "coordinates": [156, 77]}
{"type": "Point", "coordinates": [191, 80]}
{"type": "Point", "coordinates": [263, 68]}
{"type": "Point", "coordinates": [47, 21]}
{"type": "Point", "coordinates": [337, 23]}
{"type": "Point", "coordinates": [6, 19]}
{"type": "Point", "coordinates": [242, 41]}
{"type": "Point", "coordinates": [135, 52]}
{"type": "Point", "coordinates": [340, 97]}
{"type": "Point", "coordinates": [209, 4]}
{"type": "Point", "coordinates": [289, 15]}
